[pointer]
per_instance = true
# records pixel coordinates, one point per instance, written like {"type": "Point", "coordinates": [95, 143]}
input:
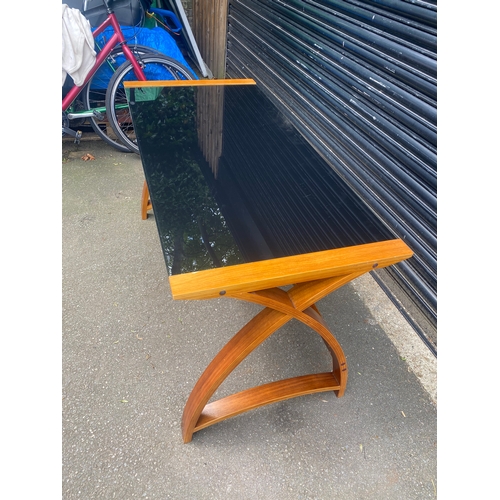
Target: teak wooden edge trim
{"type": "Point", "coordinates": [283, 271]}
{"type": "Point", "coordinates": [188, 83]}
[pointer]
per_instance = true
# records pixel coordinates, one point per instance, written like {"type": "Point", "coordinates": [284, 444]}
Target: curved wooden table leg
{"type": "Point", "coordinates": [240, 346]}
{"type": "Point", "coordinates": [280, 307]}
{"type": "Point", "coordinates": [145, 201]}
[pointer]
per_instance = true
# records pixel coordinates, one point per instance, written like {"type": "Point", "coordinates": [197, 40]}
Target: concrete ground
{"type": "Point", "coordinates": [131, 355]}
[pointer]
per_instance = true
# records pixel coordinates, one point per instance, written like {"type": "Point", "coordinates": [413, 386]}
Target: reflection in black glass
{"type": "Point", "coordinates": [192, 230]}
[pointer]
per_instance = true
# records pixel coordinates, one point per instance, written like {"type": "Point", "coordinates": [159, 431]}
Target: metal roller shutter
{"type": "Point", "coordinates": [358, 81]}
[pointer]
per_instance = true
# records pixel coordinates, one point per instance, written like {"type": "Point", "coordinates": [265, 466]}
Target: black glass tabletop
{"type": "Point", "coordinates": [232, 181]}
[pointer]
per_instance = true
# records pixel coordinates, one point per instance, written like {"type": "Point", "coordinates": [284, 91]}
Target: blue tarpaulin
{"type": "Point", "coordinates": [154, 38]}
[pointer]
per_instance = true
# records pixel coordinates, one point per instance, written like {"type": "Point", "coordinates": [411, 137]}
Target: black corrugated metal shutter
{"type": "Point", "coordinates": [358, 80]}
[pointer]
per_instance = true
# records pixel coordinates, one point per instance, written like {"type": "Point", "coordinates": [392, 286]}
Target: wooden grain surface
{"type": "Point", "coordinates": [288, 270]}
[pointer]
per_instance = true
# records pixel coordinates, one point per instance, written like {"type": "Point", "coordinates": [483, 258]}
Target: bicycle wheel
{"type": "Point", "coordinates": [94, 94]}
{"type": "Point", "coordinates": [155, 67]}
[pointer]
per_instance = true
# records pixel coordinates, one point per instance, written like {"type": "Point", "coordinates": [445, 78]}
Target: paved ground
{"type": "Point", "coordinates": [131, 356]}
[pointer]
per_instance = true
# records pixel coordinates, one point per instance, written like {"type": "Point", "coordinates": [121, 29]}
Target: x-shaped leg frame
{"type": "Point", "coordinates": [315, 276]}
{"type": "Point", "coordinates": [280, 307]}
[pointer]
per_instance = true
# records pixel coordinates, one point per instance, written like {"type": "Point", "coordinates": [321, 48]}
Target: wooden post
{"type": "Point", "coordinates": [210, 31]}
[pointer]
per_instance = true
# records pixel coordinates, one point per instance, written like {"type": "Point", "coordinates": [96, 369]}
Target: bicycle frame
{"type": "Point", "coordinates": [116, 39]}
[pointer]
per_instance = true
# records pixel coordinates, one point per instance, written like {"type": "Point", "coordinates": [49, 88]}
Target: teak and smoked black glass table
{"type": "Point", "coordinates": [246, 208]}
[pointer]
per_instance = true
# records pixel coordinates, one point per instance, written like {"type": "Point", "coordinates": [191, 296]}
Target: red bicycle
{"type": "Point", "coordinates": [104, 103]}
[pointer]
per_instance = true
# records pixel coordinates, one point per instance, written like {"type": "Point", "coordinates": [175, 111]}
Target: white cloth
{"type": "Point", "coordinates": [78, 54]}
